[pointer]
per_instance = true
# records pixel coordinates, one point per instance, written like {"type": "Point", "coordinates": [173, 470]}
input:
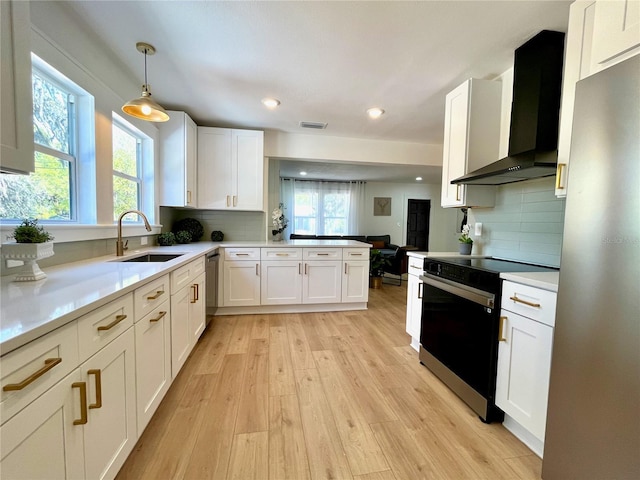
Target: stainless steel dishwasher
{"type": "Point", "coordinates": [212, 284]}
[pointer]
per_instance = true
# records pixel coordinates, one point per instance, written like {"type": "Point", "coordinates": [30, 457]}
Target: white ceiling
{"type": "Point", "coordinates": [325, 61]}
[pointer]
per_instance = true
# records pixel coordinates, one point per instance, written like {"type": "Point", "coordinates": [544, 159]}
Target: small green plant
{"type": "Point", "coordinates": [377, 263]}
{"type": "Point", "coordinates": [183, 236]}
{"type": "Point", "coordinates": [30, 232]}
{"type": "Point", "coordinates": [464, 237]}
{"type": "Point", "coordinates": [166, 239]}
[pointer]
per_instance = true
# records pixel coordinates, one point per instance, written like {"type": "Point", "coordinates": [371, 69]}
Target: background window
{"type": "Point", "coordinates": [127, 171]}
{"type": "Point", "coordinates": [49, 192]}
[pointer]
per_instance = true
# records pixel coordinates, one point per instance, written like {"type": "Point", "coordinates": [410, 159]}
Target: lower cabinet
{"type": "Point", "coordinates": [355, 281]}
{"type": "Point", "coordinates": [82, 427]}
{"type": "Point", "coordinates": [188, 319]}
{"type": "Point", "coordinates": [241, 283]}
{"type": "Point", "coordinates": [153, 361]}
{"type": "Point", "coordinates": [414, 301]}
{"type": "Point", "coordinates": [524, 360]}
{"type": "Point", "coordinates": [321, 282]}
{"type": "Point", "coordinates": [281, 282]}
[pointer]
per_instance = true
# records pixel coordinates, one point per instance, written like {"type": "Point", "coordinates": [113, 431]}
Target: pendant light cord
{"type": "Point", "coordinates": [145, 69]}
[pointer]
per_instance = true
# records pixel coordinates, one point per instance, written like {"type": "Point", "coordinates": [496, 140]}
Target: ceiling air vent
{"type": "Point", "coordinates": [316, 125]}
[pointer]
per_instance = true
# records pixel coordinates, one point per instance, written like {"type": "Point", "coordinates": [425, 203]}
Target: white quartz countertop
{"type": "Point", "coordinates": [29, 310]}
{"type": "Point", "coordinates": [544, 280]}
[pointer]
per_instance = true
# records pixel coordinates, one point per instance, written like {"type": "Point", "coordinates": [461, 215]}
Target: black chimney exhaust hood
{"type": "Point", "coordinates": [535, 115]}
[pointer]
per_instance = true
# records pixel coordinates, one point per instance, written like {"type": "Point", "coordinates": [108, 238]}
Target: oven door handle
{"type": "Point", "coordinates": [480, 297]}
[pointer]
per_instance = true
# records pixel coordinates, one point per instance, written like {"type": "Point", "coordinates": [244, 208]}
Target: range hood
{"type": "Point", "coordinates": [535, 115]}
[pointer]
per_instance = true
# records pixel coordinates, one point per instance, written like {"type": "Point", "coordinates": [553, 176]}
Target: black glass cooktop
{"type": "Point", "coordinates": [496, 265]}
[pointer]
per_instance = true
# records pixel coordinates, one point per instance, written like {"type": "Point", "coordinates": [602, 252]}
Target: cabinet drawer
{"type": "Point", "coordinates": [37, 361]}
{"type": "Point", "coordinates": [355, 253]}
{"type": "Point", "coordinates": [242, 253]}
{"type": "Point", "coordinates": [322, 253]}
{"type": "Point", "coordinates": [530, 302]}
{"type": "Point", "coordinates": [185, 274]}
{"type": "Point", "coordinates": [100, 327]}
{"type": "Point", "coordinates": [281, 253]}
{"type": "Point", "coordinates": [149, 296]}
{"type": "Point", "coordinates": [416, 266]}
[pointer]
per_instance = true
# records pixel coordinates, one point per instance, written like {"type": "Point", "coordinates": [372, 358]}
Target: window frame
{"type": "Point", "coordinates": [126, 127]}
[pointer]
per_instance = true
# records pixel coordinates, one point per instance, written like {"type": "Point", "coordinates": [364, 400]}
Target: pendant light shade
{"type": "Point", "coordinates": [144, 107]}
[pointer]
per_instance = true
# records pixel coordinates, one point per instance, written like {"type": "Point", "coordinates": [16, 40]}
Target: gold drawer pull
{"type": "Point", "coordinates": [241, 254]}
{"type": "Point", "coordinates": [158, 318]}
{"type": "Point", "coordinates": [158, 293]}
{"type": "Point", "coordinates": [49, 363]}
{"type": "Point", "coordinates": [118, 319]}
{"type": "Point", "coordinates": [559, 170]}
{"type": "Point", "coordinates": [83, 402]}
{"type": "Point", "coordinates": [519, 300]}
{"type": "Point", "coordinates": [500, 331]}
{"type": "Point", "coordinates": [323, 254]}
{"type": "Point", "coordinates": [355, 254]}
{"type": "Point", "coordinates": [97, 373]}
{"type": "Point", "coordinates": [282, 254]}
{"type": "Point", "coordinates": [194, 298]}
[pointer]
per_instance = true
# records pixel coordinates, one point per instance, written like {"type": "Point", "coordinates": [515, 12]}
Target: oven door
{"type": "Point", "coordinates": [459, 334]}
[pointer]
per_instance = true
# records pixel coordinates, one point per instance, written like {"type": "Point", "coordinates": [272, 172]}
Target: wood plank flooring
{"type": "Point", "coordinates": [337, 395]}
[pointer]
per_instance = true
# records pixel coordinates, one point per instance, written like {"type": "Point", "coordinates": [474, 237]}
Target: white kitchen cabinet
{"type": "Point", "coordinates": [230, 169]}
{"type": "Point", "coordinates": [16, 126]}
{"type": "Point", "coordinates": [524, 360]}
{"type": "Point", "coordinates": [616, 32]}
{"type": "Point", "coordinates": [600, 34]}
{"type": "Point", "coordinates": [322, 281]}
{"type": "Point", "coordinates": [471, 141]}
{"type": "Point", "coordinates": [188, 311]}
{"type": "Point", "coordinates": [153, 361]}
{"type": "Point", "coordinates": [414, 301]}
{"type": "Point", "coordinates": [281, 282]}
{"type": "Point", "coordinates": [241, 283]}
{"type": "Point", "coordinates": [355, 275]}
{"type": "Point", "coordinates": [42, 441]}
{"type": "Point", "coordinates": [178, 161]}
{"type": "Point", "coordinates": [111, 431]}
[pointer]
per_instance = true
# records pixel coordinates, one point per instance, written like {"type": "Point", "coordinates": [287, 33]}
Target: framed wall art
{"type": "Point", "coordinates": [381, 206]}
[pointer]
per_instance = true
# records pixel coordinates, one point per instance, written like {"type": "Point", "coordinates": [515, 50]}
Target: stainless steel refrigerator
{"type": "Point", "coordinates": [593, 420]}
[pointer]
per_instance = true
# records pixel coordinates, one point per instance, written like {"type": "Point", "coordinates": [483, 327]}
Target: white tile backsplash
{"type": "Point", "coordinates": [526, 223]}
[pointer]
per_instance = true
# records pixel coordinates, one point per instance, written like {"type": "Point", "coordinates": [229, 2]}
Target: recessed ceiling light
{"type": "Point", "coordinates": [375, 112]}
{"type": "Point", "coordinates": [270, 102]}
{"type": "Point", "coordinates": [303, 173]}
{"type": "Point", "coordinates": [418, 179]}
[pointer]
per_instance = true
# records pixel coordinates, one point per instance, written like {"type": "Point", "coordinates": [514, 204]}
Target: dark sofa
{"type": "Point", "coordinates": [396, 255]}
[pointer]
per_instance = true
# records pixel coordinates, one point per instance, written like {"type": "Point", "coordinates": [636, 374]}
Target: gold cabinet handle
{"type": "Point", "coordinates": [228, 200]}
{"type": "Point", "coordinates": [188, 196]}
{"type": "Point", "coordinates": [242, 254]}
{"type": "Point", "coordinates": [559, 170]}
{"type": "Point", "coordinates": [282, 254]}
{"type": "Point", "coordinates": [519, 300]}
{"type": "Point", "coordinates": [235, 201]}
{"type": "Point", "coordinates": [420, 287]}
{"type": "Point", "coordinates": [257, 269]}
{"type": "Point", "coordinates": [118, 319]}
{"type": "Point", "coordinates": [345, 268]}
{"type": "Point", "coordinates": [49, 363]}
{"type": "Point", "coordinates": [194, 297]}
{"type": "Point", "coordinates": [158, 318]}
{"type": "Point", "coordinates": [98, 376]}
{"type": "Point", "coordinates": [500, 330]}
{"type": "Point", "coordinates": [305, 268]}
{"type": "Point", "coordinates": [323, 254]}
{"type": "Point", "coordinates": [83, 402]}
{"type": "Point", "coordinates": [457, 192]}
{"type": "Point", "coordinates": [299, 269]}
{"type": "Point", "coordinates": [355, 254]}
{"type": "Point", "coordinates": [158, 293]}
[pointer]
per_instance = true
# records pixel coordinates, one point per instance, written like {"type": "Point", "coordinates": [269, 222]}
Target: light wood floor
{"type": "Point", "coordinates": [319, 396]}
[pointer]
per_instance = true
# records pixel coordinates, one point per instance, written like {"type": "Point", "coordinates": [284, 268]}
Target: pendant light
{"type": "Point", "coordinates": [144, 107]}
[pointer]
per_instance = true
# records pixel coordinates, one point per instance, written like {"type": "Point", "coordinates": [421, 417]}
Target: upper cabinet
{"type": "Point", "coordinates": [471, 140]}
{"type": "Point", "coordinates": [230, 169]}
{"type": "Point", "coordinates": [16, 131]}
{"type": "Point", "coordinates": [178, 161]}
{"type": "Point", "coordinates": [600, 34]}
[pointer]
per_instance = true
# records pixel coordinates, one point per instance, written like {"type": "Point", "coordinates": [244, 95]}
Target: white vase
{"type": "Point", "coordinates": [29, 253]}
{"type": "Point", "coordinates": [465, 248]}
{"type": "Point", "coordinates": [277, 237]}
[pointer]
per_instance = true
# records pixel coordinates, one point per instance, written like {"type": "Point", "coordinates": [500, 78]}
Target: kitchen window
{"type": "Point", "coordinates": [323, 207]}
{"type": "Point", "coordinates": [49, 193]}
{"type": "Point", "coordinates": [127, 169]}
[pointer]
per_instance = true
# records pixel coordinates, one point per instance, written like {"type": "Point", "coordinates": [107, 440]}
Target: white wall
{"type": "Point", "coordinates": [442, 222]}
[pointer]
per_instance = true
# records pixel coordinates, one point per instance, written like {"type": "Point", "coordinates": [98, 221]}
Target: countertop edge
{"type": "Point", "coordinates": [542, 280]}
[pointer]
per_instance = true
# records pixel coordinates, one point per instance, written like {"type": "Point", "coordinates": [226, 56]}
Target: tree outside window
{"type": "Point", "coordinates": [48, 193]}
{"type": "Point", "coordinates": [127, 174]}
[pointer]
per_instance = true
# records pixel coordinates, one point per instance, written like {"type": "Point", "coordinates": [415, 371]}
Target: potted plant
{"type": "Point", "coordinates": [465, 241]}
{"type": "Point", "coordinates": [32, 243]}
{"type": "Point", "coordinates": [376, 267]}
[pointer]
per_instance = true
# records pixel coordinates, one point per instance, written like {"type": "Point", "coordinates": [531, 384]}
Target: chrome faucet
{"type": "Point", "coordinates": [121, 247]}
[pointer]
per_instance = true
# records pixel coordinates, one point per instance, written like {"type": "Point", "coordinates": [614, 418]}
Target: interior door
{"type": "Point", "coordinates": [418, 223]}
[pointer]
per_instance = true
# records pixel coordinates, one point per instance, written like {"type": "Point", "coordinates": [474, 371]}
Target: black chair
{"type": "Point", "coordinates": [397, 265]}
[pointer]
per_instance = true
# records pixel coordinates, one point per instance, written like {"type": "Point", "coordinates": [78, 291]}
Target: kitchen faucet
{"type": "Point", "coordinates": [121, 247]}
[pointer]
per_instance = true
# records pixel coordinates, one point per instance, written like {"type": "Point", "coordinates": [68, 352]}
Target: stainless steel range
{"type": "Point", "coordinates": [460, 321]}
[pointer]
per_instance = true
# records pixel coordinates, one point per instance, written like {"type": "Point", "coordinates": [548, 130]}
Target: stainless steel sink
{"type": "Point", "coordinates": [152, 257]}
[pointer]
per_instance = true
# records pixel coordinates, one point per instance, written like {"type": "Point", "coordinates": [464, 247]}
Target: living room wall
{"type": "Point", "coordinates": [442, 222]}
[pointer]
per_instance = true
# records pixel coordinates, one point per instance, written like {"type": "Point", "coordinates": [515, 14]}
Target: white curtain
{"type": "Point", "coordinates": [356, 200]}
